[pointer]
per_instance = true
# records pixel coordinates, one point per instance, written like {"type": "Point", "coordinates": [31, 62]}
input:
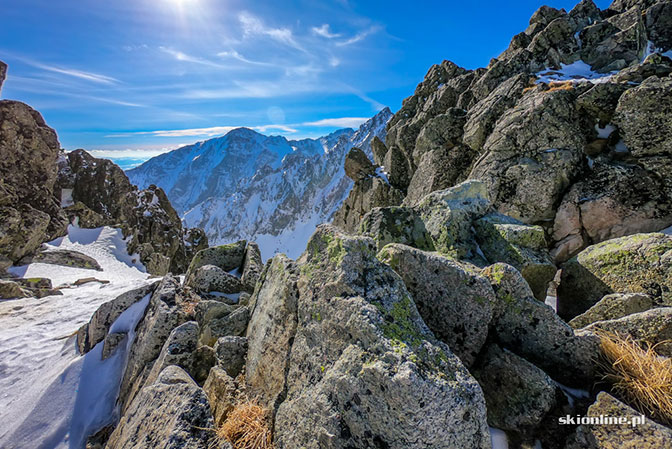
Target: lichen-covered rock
{"type": "Point", "coordinates": [504, 239]}
{"type": "Point", "coordinates": [640, 263]}
{"type": "Point", "coordinates": [231, 352]}
{"type": "Point", "coordinates": [210, 278]}
{"type": "Point", "coordinates": [233, 324]}
{"type": "Point", "coordinates": [111, 343]}
{"type": "Point", "coordinates": [271, 331]}
{"type": "Point", "coordinates": [456, 303]}
{"type": "Point", "coordinates": [534, 331]}
{"type": "Point", "coordinates": [612, 307]}
{"type": "Point", "coordinates": [12, 290]}
{"type": "Point", "coordinates": [252, 267]}
{"type": "Point", "coordinates": [654, 65]}
{"type": "Point", "coordinates": [364, 370]}
{"type": "Point", "coordinates": [653, 326]}
{"type": "Point", "coordinates": [518, 394]}
{"type": "Point", "coordinates": [227, 257]}
{"type": "Point", "coordinates": [396, 224]}
{"type": "Point", "coordinates": [171, 413]}
{"type": "Point", "coordinates": [92, 333]}
{"type": "Point", "coordinates": [658, 22]}
{"type": "Point", "coordinates": [448, 216]}
{"type": "Point", "coordinates": [645, 435]}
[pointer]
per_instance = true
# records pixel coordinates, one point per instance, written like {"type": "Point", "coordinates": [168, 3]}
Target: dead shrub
{"type": "Point", "coordinates": [247, 427]}
{"type": "Point", "coordinates": [639, 375]}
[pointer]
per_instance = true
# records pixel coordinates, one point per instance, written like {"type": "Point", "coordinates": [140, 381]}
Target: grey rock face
{"type": "Point", "coordinates": [66, 258]}
{"type": "Point", "coordinates": [358, 166]}
{"type": "Point", "coordinates": [210, 278]}
{"type": "Point", "coordinates": [252, 267]}
{"type": "Point", "coordinates": [374, 334]}
{"type": "Point", "coordinates": [234, 324]}
{"type": "Point", "coordinates": [172, 413]}
{"type": "Point", "coordinates": [532, 330]}
{"type": "Point", "coordinates": [271, 331]}
{"type": "Point", "coordinates": [617, 305]}
{"type": "Point", "coordinates": [222, 392]}
{"type": "Point", "coordinates": [231, 352]}
{"type": "Point", "coordinates": [227, 257]}
{"type": "Point", "coordinates": [517, 393]}
{"type": "Point", "coordinates": [456, 304]}
{"type": "Point", "coordinates": [178, 350]}
{"type": "Point", "coordinates": [640, 263]}
{"type": "Point", "coordinates": [3, 73]}
{"type": "Point", "coordinates": [12, 290]}
{"type": "Point", "coordinates": [364, 196]}
{"type": "Point", "coordinates": [647, 435]}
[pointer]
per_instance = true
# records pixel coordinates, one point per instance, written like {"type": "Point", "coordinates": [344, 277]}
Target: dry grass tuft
{"type": "Point", "coordinates": [247, 427]}
{"type": "Point", "coordinates": [560, 85]}
{"type": "Point", "coordinates": [639, 375]}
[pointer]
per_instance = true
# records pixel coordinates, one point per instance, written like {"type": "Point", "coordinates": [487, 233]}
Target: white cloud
{"type": "Point", "coordinates": [203, 132]}
{"type": "Point", "coordinates": [359, 36]}
{"type": "Point", "coordinates": [254, 26]}
{"type": "Point", "coordinates": [233, 54]}
{"type": "Point", "coordinates": [132, 152]}
{"type": "Point", "coordinates": [342, 122]}
{"type": "Point", "coordinates": [334, 61]}
{"type": "Point", "coordinates": [181, 56]}
{"type": "Point", "coordinates": [88, 76]}
{"type": "Point", "coordinates": [324, 31]}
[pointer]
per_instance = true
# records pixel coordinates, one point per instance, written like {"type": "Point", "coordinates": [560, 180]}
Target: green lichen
{"type": "Point", "coordinates": [398, 326]}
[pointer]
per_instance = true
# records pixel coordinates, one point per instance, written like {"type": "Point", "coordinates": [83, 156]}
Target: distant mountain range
{"type": "Point", "coordinates": [271, 190]}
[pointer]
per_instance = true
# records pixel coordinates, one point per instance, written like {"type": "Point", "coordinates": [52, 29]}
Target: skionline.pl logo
{"type": "Point", "coordinates": [602, 420]}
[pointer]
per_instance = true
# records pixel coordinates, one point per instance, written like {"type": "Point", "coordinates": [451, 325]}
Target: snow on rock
{"type": "Point", "coordinates": [50, 396]}
{"type": "Point", "coordinates": [498, 439]}
{"type": "Point", "coordinates": [576, 72]}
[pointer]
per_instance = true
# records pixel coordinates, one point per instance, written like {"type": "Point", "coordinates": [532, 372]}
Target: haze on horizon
{"type": "Point", "coordinates": [134, 78]}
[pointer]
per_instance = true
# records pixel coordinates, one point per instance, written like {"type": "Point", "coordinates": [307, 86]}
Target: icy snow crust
{"type": "Point", "coordinates": [50, 396]}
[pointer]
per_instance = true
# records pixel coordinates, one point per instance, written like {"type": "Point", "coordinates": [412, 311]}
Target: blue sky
{"type": "Point", "coordinates": [141, 76]}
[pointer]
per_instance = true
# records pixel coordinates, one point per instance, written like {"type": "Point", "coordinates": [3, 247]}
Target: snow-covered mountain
{"type": "Point", "coordinates": [245, 185]}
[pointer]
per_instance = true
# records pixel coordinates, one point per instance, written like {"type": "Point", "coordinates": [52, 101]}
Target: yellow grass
{"type": "Point", "coordinates": [560, 85]}
{"type": "Point", "coordinates": [639, 375]}
{"type": "Point", "coordinates": [247, 427]}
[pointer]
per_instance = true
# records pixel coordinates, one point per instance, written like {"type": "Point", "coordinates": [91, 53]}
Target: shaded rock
{"type": "Point", "coordinates": [448, 216]}
{"type": "Point", "coordinates": [533, 331]}
{"type": "Point", "coordinates": [66, 258]}
{"type": "Point", "coordinates": [601, 100]}
{"type": "Point", "coordinates": [504, 239]}
{"type": "Point", "coordinates": [658, 22]}
{"type": "Point", "coordinates": [231, 352]}
{"type": "Point", "coordinates": [617, 305]}
{"type": "Point", "coordinates": [83, 216]}
{"type": "Point", "coordinates": [222, 394]}
{"type": "Point", "coordinates": [271, 331]}
{"type": "Point", "coordinates": [163, 314]}
{"type": "Point", "coordinates": [252, 267]}
{"type": "Point", "coordinates": [88, 280]}
{"type": "Point", "coordinates": [171, 413]}
{"type": "Point", "coordinates": [358, 166]}
{"type": "Point", "coordinates": [203, 359]}
{"type": "Point", "coordinates": [456, 303]}
{"type": "Point", "coordinates": [398, 168]}
{"type": "Point", "coordinates": [210, 278]}
{"type": "Point", "coordinates": [208, 310]}
{"type": "Point", "coordinates": [111, 343]}
{"type": "Point", "coordinates": [177, 350]}
{"type": "Point", "coordinates": [234, 324]}
{"type": "Point", "coordinates": [12, 290]}
{"type": "Point", "coordinates": [614, 45]}
{"type": "Point", "coordinates": [358, 332]}
{"type": "Point", "coordinates": [654, 65]}
{"type": "Point", "coordinates": [640, 263]}
{"type": "Point", "coordinates": [98, 326]}
{"type": "Point", "coordinates": [615, 200]}
{"type": "Point", "coordinates": [396, 225]}
{"type": "Point", "coordinates": [646, 435]}
{"type": "Point", "coordinates": [518, 394]}
{"type": "Point", "coordinates": [653, 326]}
{"type": "Point", "coordinates": [3, 73]}
{"type": "Point", "coordinates": [364, 196]}
{"type": "Point", "coordinates": [227, 257]}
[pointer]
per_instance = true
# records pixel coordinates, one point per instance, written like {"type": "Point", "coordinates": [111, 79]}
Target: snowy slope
{"type": "Point", "coordinates": [51, 397]}
{"type": "Point", "coordinates": [268, 189]}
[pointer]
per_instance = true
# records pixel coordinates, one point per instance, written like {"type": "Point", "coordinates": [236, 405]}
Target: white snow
{"type": "Point", "coordinates": [620, 147]}
{"type": "Point", "coordinates": [382, 174]}
{"type": "Point", "coordinates": [604, 133]}
{"type": "Point", "coordinates": [66, 198]}
{"type": "Point", "coordinates": [498, 439]}
{"type": "Point", "coordinates": [667, 231]}
{"type": "Point", "coordinates": [50, 396]}
{"type": "Point", "coordinates": [576, 72]}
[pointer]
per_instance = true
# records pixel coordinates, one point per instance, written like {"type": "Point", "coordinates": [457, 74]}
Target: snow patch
{"type": "Point", "coordinates": [577, 72]}
{"type": "Point", "coordinates": [498, 439]}
{"type": "Point", "coordinates": [620, 147]}
{"type": "Point", "coordinates": [66, 198]}
{"type": "Point", "coordinates": [604, 133]}
{"type": "Point", "coordinates": [382, 174]}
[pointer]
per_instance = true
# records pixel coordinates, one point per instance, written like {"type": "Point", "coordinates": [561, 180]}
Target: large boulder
{"type": "Point", "coordinates": [30, 211]}
{"type": "Point", "coordinates": [231, 352]}
{"type": "Point", "coordinates": [358, 166]}
{"type": "Point", "coordinates": [612, 307]}
{"type": "Point", "coordinates": [222, 393]}
{"type": "Point", "coordinates": [396, 224]}
{"type": "Point", "coordinates": [228, 257]}
{"type": "Point", "coordinates": [535, 332]}
{"type": "Point", "coordinates": [364, 370]}
{"type": "Point", "coordinates": [646, 434]}
{"type": "Point", "coordinates": [171, 413]}
{"type": "Point", "coordinates": [212, 279]}
{"type": "Point", "coordinates": [178, 350]}
{"type": "Point", "coordinates": [640, 263]}
{"type": "Point", "coordinates": [252, 267]}
{"type": "Point", "coordinates": [365, 195]}
{"type": "Point", "coordinates": [456, 303]}
{"type": "Point", "coordinates": [517, 393]}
